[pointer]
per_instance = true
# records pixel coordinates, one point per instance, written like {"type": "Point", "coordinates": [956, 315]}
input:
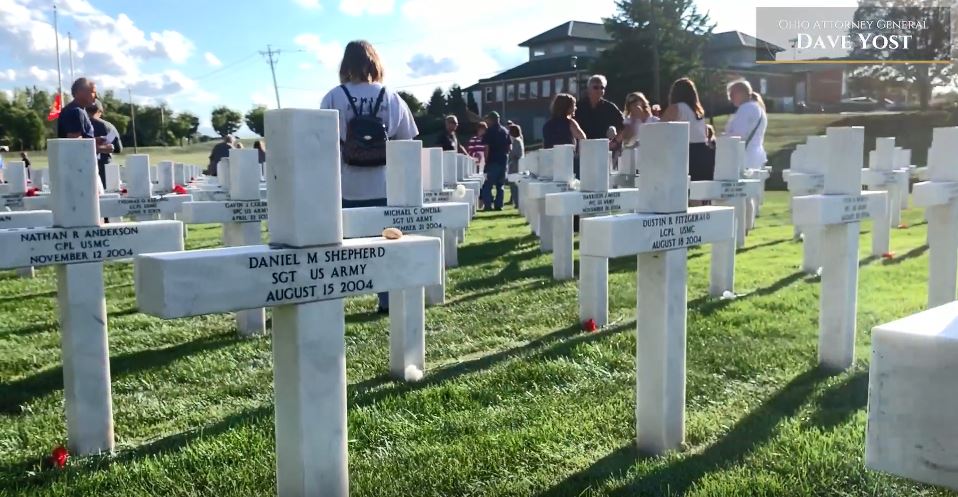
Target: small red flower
{"type": "Point", "coordinates": [123, 191]}
{"type": "Point", "coordinates": [902, 226]}
{"type": "Point", "coordinates": [179, 190]}
{"type": "Point", "coordinates": [58, 458]}
{"type": "Point", "coordinates": [31, 192]}
{"type": "Point", "coordinates": [590, 326]}
{"type": "Point", "coordinates": [888, 255]}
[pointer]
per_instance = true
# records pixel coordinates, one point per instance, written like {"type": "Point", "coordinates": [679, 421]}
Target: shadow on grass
{"type": "Point", "coordinates": [762, 245]}
{"type": "Point", "coordinates": [54, 325]}
{"type": "Point", "coordinates": [837, 405]}
{"type": "Point", "coordinates": [475, 254]}
{"type": "Point", "coordinates": [911, 254]}
{"type": "Point", "coordinates": [676, 478]}
{"type": "Point", "coordinates": [707, 305]}
{"type": "Point", "coordinates": [15, 393]}
{"type": "Point", "coordinates": [367, 392]}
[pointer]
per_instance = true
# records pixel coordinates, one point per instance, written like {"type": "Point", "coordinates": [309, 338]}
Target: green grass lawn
{"type": "Point", "coordinates": [517, 401]}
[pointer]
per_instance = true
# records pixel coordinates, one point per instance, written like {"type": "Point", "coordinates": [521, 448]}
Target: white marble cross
{"type": "Point", "coordinates": [939, 197]}
{"type": "Point", "coordinates": [406, 211]}
{"type": "Point", "coordinates": [139, 202]}
{"type": "Point", "coordinates": [660, 234]}
{"type": "Point", "coordinates": [529, 163]}
{"type": "Point", "coordinates": [435, 190]}
{"type": "Point", "coordinates": [729, 188]}
{"type": "Point", "coordinates": [241, 217]}
{"type": "Point", "coordinates": [16, 177]}
{"type": "Point", "coordinates": [840, 210]}
{"type": "Point", "coordinates": [913, 395]}
{"type": "Point", "coordinates": [593, 198]}
{"type": "Point", "coordinates": [305, 272]}
{"type": "Point", "coordinates": [555, 175]}
{"type": "Point", "coordinates": [78, 245]}
{"type": "Point", "coordinates": [754, 203]}
{"type": "Point", "coordinates": [112, 173]}
{"type": "Point", "coordinates": [452, 175]}
{"type": "Point", "coordinates": [883, 174]}
{"type": "Point", "coordinates": [806, 176]}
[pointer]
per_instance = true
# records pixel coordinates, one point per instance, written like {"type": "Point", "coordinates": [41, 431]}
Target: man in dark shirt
{"type": "Point", "coordinates": [449, 140]}
{"type": "Point", "coordinates": [111, 138]}
{"type": "Point", "coordinates": [596, 114]}
{"type": "Point", "coordinates": [497, 145]}
{"type": "Point", "coordinates": [220, 151]}
{"type": "Point", "coordinates": [74, 121]}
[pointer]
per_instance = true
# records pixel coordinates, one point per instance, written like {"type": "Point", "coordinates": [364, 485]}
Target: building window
{"type": "Point", "coordinates": [573, 86]}
{"type": "Point", "coordinates": [522, 91]}
{"type": "Point", "coordinates": [499, 94]}
{"type": "Point", "coordinates": [533, 90]}
{"type": "Point", "coordinates": [511, 93]}
{"type": "Point", "coordinates": [558, 86]}
{"type": "Point", "coordinates": [538, 52]}
{"type": "Point", "coordinates": [580, 48]}
{"type": "Point", "coordinates": [489, 95]}
{"type": "Point", "coordinates": [547, 88]}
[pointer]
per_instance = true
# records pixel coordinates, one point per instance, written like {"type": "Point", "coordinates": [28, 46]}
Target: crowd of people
{"type": "Point", "coordinates": [571, 121]}
{"type": "Point", "coordinates": [371, 114]}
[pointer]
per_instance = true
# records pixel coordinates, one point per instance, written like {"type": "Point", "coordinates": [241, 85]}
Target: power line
{"type": "Point", "coordinates": [225, 67]}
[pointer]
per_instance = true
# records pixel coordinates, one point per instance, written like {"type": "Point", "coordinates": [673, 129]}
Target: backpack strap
{"type": "Point", "coordinates": [379, 101]}
{"type": "Point", "coordinates": [349, 98]}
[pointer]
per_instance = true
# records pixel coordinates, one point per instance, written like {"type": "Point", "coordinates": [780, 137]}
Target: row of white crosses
{"type": "Point", "coordinates": [555, 174]}
{"type": "Point", "coordinates": [593, 198]}
{"type": "Point", "coordinates": [77, 245]}
{"type": "Point", "coordinates": [883, 173]}
{"type": "Point", "coordinates": [939, 197]}
{"type": "Point", "coordinates": [729, 188]}
{"type": "Point", "coordinates": [839, 209]}
{"type": "Point", "coordinates": [660, 233]}
{"type": "Point", "coordinates": [305, 273]}
{"type": "Point", "coordinates": [806, 176]}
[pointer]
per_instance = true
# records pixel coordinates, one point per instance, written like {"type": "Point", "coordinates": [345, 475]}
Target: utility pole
{"type": "Point", "coordinates": [132, 118]}
{"type": "Point", "coordinates": [269, 53]}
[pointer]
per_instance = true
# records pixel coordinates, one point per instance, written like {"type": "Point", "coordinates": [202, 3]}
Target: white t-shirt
{"type": "Point", "coordinates": [636, 125]}
{"type": "Point", "coordinates": [696, 125]}
{"type": "Point", "coordinates": [368, 183]}
{"type": "Point", "coordinates": [748, 115]}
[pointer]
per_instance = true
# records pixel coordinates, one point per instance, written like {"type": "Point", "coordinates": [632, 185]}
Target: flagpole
{"type": "Point", "coordinates": [70, 47]}
{"type": "Point", "coordinates": [56, 31]}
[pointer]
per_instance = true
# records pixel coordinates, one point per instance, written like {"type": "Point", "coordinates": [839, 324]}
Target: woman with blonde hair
{"type": "Point", "coordinates": [369, 115]}
{"type": "Point", "coordinates": [637, 112]}
{"type": "Point", "coordinates": [749, 122]}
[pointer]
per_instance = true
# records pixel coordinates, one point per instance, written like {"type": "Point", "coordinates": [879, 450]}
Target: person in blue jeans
{"type": "Point", "coordinates": [497, 146]}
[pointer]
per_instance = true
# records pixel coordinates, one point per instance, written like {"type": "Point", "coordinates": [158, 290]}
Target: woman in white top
{"type": "Point", "coordinates": [362, 91]}
{"type": "Point", "coordinates": [361, 75]}
{"type": "Point", "coordinates": [748, 122]}
{"type": "Point", "coordinates": [684, 106]}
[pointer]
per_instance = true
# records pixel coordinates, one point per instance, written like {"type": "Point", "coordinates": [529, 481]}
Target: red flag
{"type": "Point", "coordinates": [55, 108]}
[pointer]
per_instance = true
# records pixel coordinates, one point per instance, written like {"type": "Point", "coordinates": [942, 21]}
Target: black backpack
{"type": "Point", "coordinates": [366, 137]}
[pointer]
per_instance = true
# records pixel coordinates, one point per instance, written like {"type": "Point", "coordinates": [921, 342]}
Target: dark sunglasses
{"type": "Point", "coordinates": [598, 87]}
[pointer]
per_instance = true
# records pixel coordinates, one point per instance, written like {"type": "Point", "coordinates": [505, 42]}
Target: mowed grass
{"type": "Point", "coordinates": [516, 402]}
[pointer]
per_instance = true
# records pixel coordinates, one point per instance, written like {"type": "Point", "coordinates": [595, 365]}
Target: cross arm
{"type": "Point", "coordinates": [574, 203]}
{"type": "Point", "coordinates": [632, 234]}
{"type": "Point", "coordinates": [180, 284]}
{"type": "Point", "coordinates": [724, 189]}
{"type": "Point", "coordinates": [229, 211]}
{"type": "Point", "coordinates": [371, 221]}
{"type": "Point", "coordinates": [822, 210]}
{"type": "Point", "coordinates": [931, 193]}
{"type": "Point", "coordinates": [25, 219]}
{"type": "Point", "coordinates": [52, 246]}
{"type": "Point", "coordinates": [127, 206]}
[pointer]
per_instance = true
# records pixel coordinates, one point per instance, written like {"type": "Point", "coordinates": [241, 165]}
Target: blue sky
{"type": "Point", "coordinates": [201, 54]}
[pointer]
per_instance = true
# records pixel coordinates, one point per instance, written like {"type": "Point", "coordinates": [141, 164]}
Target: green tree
{"type": "Point", "coordinates": [663, 40]}
{"type": "Point", "coordinates": [932, 43]}
{"type": "Point", "coordinates": [415, 106]}
{"type": "Point", "coordinates": [184, 125]}
{"type": "Point", "coordinates": [437, 104]}
{"type": "Point", "coordinates": [21, 126]}
{"type": "Point", "coordinates": [255, 120]}
{"type": "Point", "coordinates": [226, 121]}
